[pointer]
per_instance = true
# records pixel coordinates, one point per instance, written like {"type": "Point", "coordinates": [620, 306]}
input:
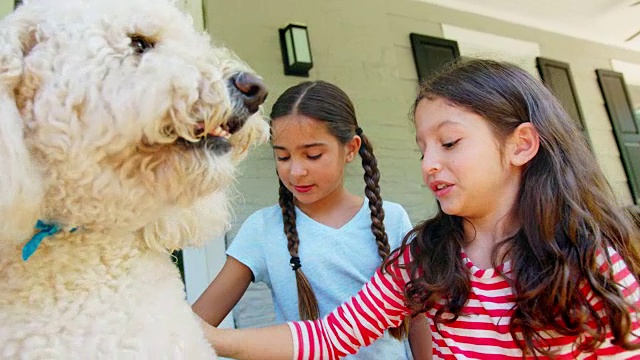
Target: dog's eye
{"type": "Point", "coordinates": [140, 44]}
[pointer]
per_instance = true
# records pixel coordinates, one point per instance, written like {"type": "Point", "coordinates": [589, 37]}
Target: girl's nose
{"type": "Point", "coordinates": [298, 169]}
{"type": "Point", "coordinates": [430, 164]}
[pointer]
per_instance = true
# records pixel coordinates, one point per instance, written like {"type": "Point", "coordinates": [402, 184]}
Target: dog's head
{"type": "Point", "coordinates": [117, 115]}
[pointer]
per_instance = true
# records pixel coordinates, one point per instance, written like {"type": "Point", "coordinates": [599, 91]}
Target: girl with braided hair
{"type": "Point", "coordinates": [321, 243]}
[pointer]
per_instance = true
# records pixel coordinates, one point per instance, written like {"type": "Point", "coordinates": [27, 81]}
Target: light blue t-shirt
{"type": "Point", "coordinates": [337, 262]}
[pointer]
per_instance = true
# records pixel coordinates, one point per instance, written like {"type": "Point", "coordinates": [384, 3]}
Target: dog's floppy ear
{"type": "Point", "coordinates": [21, 190]}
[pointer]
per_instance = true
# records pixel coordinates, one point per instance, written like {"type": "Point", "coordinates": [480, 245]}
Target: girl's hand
{"type": "Point", "coordinates": [215, 337]}
{"type": "Point", "coordinates": [208, 331]}
{"type": "Point", "coordinates": [270, 343]}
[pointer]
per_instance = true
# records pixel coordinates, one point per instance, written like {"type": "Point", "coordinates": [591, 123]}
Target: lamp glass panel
{"type": "Point", "coordinates": [303, 54]}
{"type": "Point", "coordinates": [288, 37]}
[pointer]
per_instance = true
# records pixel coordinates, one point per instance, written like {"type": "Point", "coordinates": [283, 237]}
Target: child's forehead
{"type": "Point", "coordinates": [294, 122]}
{"type": "Point", "coordinates": [299, 131]}
{"type": "Point", "coordinates": [440, 113]}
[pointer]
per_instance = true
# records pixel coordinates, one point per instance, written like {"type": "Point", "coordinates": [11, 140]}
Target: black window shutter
{"type": "Point", "coordinates": [626, 127]}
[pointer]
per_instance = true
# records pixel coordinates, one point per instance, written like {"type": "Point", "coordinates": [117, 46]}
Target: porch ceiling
{"type": "Point", "coordinates": [613, 22]}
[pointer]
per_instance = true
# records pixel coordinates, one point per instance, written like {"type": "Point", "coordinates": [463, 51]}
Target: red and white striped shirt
{"type": "Point", "coordinates": [482, 334]}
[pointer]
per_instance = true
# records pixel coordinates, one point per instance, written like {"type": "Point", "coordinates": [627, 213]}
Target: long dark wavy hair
{"type": "Point", "coordinates": [327, 103]}
{"type": "Point", "coordinates": [566, 209]}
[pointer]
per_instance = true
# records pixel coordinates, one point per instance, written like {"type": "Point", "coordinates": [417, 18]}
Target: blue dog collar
{"type": "Point", "coordinates": [45, 229]}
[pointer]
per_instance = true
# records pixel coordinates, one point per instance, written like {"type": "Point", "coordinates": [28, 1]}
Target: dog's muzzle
{"type": "Point", "coordinates": [247, 92]}
{"type": "Point", "coordinates": [250, 92]}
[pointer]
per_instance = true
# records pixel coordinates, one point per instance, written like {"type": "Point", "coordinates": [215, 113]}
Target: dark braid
{"type": "Point", "coordinates": [372, 191]}
{"type": "Point", "coordinates": [327, 103]}
{"type": "Point", "coordinates": [307, 301]}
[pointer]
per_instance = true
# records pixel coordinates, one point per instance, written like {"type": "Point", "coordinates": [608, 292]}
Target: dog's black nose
{"type": "Point", "coordinates": [252, 88]}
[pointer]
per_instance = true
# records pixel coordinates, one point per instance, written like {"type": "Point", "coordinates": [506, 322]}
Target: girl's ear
{"type": "Point", "coordinates": [352, 148]}
{"type": "Point", "coordinates": [524, 143]}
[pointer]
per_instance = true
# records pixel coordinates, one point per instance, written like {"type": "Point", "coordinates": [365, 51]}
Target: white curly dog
{"type": "Point", "coordinates": [120, 130]}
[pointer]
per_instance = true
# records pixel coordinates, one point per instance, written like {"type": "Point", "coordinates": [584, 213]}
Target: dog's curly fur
{"type": "Point", "coordinates": [99, 100]}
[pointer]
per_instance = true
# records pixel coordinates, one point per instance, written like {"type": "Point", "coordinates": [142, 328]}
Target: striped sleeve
{"type": "Point", "coordinates": [379, 305]}
{"type": "Point", "coordinates": [621, 275]}
{"type": "Point", "coordinates": [630, 289]}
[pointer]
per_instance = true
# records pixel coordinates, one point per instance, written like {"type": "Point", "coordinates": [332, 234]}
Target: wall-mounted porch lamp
{"type": "Point", "coordinates": [296, 51]}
